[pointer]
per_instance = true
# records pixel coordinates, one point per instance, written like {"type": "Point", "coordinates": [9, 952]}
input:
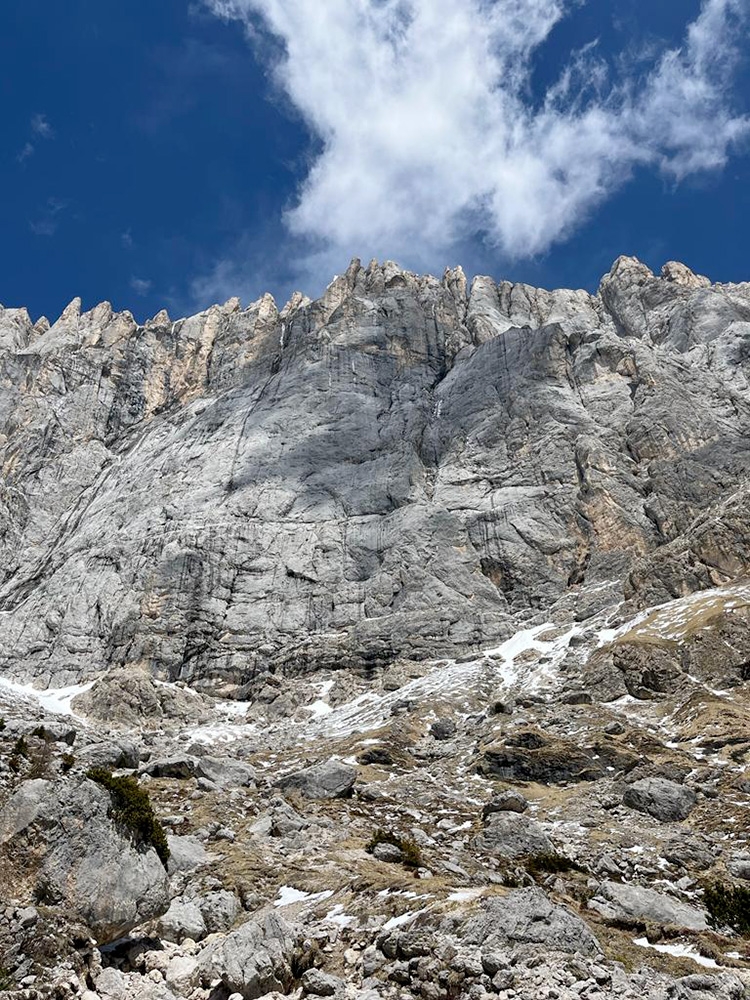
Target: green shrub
{"type": "Point", "coordinates": [538, 864]}
{"type": "Point", "coordinates": [2, 724]}
{"type": "Point", "coordinates": [411, 855]}
{"type": "Point", "coordinates": [67, 760]}
{"type": "Point", "coordinates": [131, 807]}
{"type": "Point", "coordinates": [20, 747]}
{"type": "Point", "coordinates": [728, 906]}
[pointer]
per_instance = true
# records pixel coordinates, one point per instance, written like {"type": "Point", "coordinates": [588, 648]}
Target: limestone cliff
{"type": "Point", "coordinates": [397, 468]}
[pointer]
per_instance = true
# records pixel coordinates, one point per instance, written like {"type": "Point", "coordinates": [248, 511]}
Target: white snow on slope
{"type": "Point", "coordinates": [57, 701]}
{"type": "Point", "coordinates": [679, 951]}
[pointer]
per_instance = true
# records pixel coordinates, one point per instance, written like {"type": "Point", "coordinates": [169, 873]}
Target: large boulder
{"type": "Point", "coordinates": [253, 960]}
{"type": "Point", "coordinates": [619, 902]}
{"type": "Point", "coordinates": [225, 772]}
{"type": "Point", "coordinates": [663, 799]}
{"type": "Point", "coordinates": [528, 916]}
{"type": "Point", "coordinates": [513, 835]}
{"type": "Point", "coordinates": [61, 844]}
{"type": "Point", "coordinates": [329, 780]}
{"type": "Point", "coordinates": [182, 920]}
{"type": "Point", "coordinates": [130, 696]}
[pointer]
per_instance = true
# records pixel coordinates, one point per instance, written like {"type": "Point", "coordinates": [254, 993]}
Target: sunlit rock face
{"type": "Point", "coordinates": [398, 468]}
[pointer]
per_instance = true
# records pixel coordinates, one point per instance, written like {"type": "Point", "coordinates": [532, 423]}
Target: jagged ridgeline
{"type": "Point", "coordinates": [397, 468]}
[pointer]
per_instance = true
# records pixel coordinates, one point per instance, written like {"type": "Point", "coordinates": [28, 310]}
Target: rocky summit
{"type": "Point", "coordinates": [390, 645]}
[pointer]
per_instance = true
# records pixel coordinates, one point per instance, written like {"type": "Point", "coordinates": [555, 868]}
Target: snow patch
{"type": "Point", "coordinates": [679, 951]}
{"type": "Point", "coordinates": [56, 701]}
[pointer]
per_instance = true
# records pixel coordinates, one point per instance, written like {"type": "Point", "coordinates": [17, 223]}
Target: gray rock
{"type": "Point", "coordinates": [182, 920]}
{"type": "Point", "coordinates": [220, 910]}
{"type": "Point", "coordinates": [321, 984]}
{"type": "Point", "coordinates": [60, 841]}
{"type": "Point", "coordinates": [527, 916]}
{"type": "Point", "coordinates": [387, 852]}
{"type": "Point", "coordinates": [114, 754]}
{"type": "Point", "coordinates": [513, 835]}
{"type": "Point", "coordinates": [618, 901]}
{"type": "Point", "coordinates": [132, 697]}
{"type": "Point", "coordinates": [254, 959]}
{"type": "Point", "coordinates": [739, 866]}
{"type": "Point", "coordinates": [443, 729]}
{"type": "Point", "coordinates": [186, 854]}
{"type": "Point", "coordinates": [329, 780]}
{"type": "Point", "coordinates": [508, 801]}
{"type": "Point", "coordinates": [178, 766]}
{"type": "Point", "coordinates": [663, 799]}
{"type": "Point", "coordinates": [225, 772]}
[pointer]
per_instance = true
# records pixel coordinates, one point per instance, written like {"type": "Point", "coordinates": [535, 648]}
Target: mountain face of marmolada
{"type": "Point", "coordinates": [402, 467]}
{"type": "Point", "coordinates": [390, 645]}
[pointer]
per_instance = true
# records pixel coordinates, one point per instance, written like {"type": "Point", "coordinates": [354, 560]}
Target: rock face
{"type": "Point", "coordinates": [395, 468]}
{"type": "Point", "coordinates": [59, 840]}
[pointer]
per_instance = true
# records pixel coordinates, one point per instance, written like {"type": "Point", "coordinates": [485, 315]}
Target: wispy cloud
{"type": "Point", "coordinates": [431, 135]}
{"type": "Point", "coordinates": [26, 152]}
{"type": "Point", "coordinates": [48, 218]}
{"type": "Point", "coordinates": [126, 239]}
{"type": "Point", "coordinates": [41, 127]}
{"type": "Point", "coordinates": [141, 286]}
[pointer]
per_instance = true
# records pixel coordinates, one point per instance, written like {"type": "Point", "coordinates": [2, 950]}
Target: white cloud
{"type": "Point", "coordinates": [430, 136]}
{"type": "Point", "coordinates": [141, 286]}
{"type": "Point", "coordinates": [25, 153]}
{"type": "Point", "coordinates": [41, 127]}
{"type": "Point", "coordinates": [48, 218]}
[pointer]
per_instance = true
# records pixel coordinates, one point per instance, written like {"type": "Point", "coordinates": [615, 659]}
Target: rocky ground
{"type": "Point", "coordinates": [547, 819]}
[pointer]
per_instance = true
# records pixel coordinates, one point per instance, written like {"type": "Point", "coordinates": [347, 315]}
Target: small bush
{"type": "Point", "coordinates": [538, 864]}
{"type": "Point", "coordinates": [412, 856]}
{"type": "Point", "coordinates": [131, 807]}
{"type": "Point", "coordinates": [728, 906]}
{"type": "Point", "coordinates": [2, 724]}
{"type": "Point", "coordinates": [67, 760]}
{"type": "Point", "coordinates": [40, 732]}
{"type": "Point", "coordinates": [20, 747]}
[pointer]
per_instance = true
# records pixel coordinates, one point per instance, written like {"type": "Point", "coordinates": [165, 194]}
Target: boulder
{"type": "Point", "coordinates": [321, 984]}
{"type": "Point", "coordinates": [508, 801]}
{"type": "Point", "coordinates": [254, 959]}
{"type": "Point", "coordinates": [62, 844]}
{"type": "Point", "coordinates": [176, 766]}
{"type": "Point", "coordinates": [443, 729]}
{"type": "Point", "coordinates": [663, 799]}
{"type": "Point", "coordinates": [633, 904]}
{"type": "Point", "coordinates": [739, 866]}
{"type": "Point", "coordinates": [220, 910]}
{"type": "Point", "coordinates": [182, 920]}
{"type": "Point", "coordinates": [110, 753]}
{"type": "Point", "coordinates": [130, 696]}
{"type": "Point", "coordinates": [225, 772]}
{"type": "Point", "coordinates": [329, 780]}
{"type": "Point", "coordinates": [513, 835]}
{"type": "Point", "coordinates": [527, 916]}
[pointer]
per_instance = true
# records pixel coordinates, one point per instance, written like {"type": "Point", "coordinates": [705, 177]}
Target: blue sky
{"type": "Point", "coordinates": [173, 153]}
